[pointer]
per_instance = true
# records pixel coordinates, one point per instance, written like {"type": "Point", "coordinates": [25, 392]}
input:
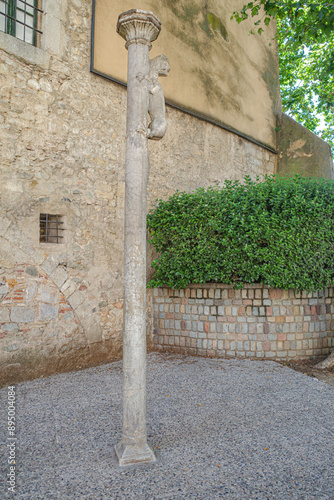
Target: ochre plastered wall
{"type": "Point", "coordinates": [62, 147]}
{"type": "Point", "coordinates": [218, 69]}
{"type": "Point", "coordinates": [302, 152]}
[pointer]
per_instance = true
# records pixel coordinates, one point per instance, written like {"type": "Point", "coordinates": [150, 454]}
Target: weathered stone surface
{"type": "Point", "coordinates": [139, 29]}
{"type": "Point", "coordinates": [22, 314]}
{"type": "Point", "coordinates": [48, 294]}
{"type": "Point", "coordinates": [4, 314]}
{"type": "Point", "coordinates": [62, 133]}
{"type": "Point", "coordinates": [93, 333]}
{"type": "Point", "coordinates": [10, 328]}
{"type": "Point", "coordinates": [11, 348]}
{"type": "Point", "coordinates": [4, 225]}
{"type": "Point", "coordinates": [68, 288]}
{"type": "Point", "coordinates": [32, 271]}
{"type": "Point", "coordinates": [59, 276]}
{"type": "Point", "coordinates": [50, 264]}
{"type": "Point", "coordinates": [47, 312]}
{"type": "Point", "coordinates": [4, 289]}
{"type": "Point", "coordinates": [302, 152]}
{"type": "Point", "coordinates": [76, 299]}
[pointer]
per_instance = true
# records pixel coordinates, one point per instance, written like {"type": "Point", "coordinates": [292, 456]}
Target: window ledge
{"type": "Point", "coordinates": [25, 51]}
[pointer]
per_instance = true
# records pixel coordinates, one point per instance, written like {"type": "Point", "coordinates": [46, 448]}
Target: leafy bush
{"type": "Point", "coordinates": [279, 232]}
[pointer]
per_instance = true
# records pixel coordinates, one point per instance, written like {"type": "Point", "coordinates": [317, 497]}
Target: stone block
{"type": "Point", "coordinates": [47, 312]}
{"type": "Point", "coordinates": [4, 315]}
{"type": "Point", "coordinates": [4, 289]}
{"type": "Point", "coordinates": [93, 334]}
{"type": "Point", "coordinates": [68, 288]}
{"type": "Point", "coordinates": [77, 298]}
{"type": "Point", "coordinates": [50, 264]}
{"type": "Point", "coordinates": [32, 271]}
{"type": "Point", "coordinates": [59, 276]}
{"type": "Point", "coordinates": [281, 354]}
{"type": "Point", "coordinates": [10, 328]}
{"type": "Point", "coordinates": [22, 315]}
{"type": "Point", "coordinates": [270, 354]}
{"type": "Point", "coordinates": [48, 294]}
{"type": "Point", "coordinates": [11, 348]}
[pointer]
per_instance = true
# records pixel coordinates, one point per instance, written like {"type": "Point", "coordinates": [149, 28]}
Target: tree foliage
{"type": "Point", "coordinates": [279, 232]}
{"type": "Point", "coordinates": [305, 35]}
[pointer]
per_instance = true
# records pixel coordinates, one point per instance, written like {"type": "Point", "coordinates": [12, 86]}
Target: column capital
{"type": "Point", "coordinates": [138, 26]}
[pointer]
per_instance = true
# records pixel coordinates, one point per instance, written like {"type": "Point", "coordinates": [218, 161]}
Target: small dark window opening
{"type": "Point", "coordinates": [22, 19]}
{"type": "Point", "coordinates": [51, 228]}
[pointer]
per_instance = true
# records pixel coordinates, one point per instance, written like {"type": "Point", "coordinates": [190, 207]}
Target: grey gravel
{"type": "Point", "coordinates": [237, 429]}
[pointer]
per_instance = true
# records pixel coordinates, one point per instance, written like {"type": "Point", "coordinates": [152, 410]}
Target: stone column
{"type": "Point", "coordinates": [139, 29]}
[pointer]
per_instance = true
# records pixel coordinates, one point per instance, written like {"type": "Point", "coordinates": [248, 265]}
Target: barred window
{"type": "Point", "coordinates": [51, 228]}
{"type": "Point", "coordinates": [22, 19]}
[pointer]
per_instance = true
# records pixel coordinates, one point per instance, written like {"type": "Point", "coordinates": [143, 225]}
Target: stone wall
{"type": "Point", "coordinates": [257, 322]}
{"type": "Point", "coordinates": [62, 151]}
{"type": "Point", "coordinates": [301, 151]}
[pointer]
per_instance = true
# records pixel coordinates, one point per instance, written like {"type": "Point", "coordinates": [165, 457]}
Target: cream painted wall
{"type": "Point", "coordinates": [218, 69]}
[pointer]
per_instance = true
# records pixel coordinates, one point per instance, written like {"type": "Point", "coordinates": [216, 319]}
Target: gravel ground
{"type": "Point", "coordinates": [237, 429]}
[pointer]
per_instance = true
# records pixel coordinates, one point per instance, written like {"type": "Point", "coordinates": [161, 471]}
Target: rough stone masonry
{"type": "Point", "coordinates": [62, 135]}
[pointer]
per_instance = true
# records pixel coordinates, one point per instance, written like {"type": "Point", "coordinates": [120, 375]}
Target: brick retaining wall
{"type": "Point", "coordinates": [256, 322]}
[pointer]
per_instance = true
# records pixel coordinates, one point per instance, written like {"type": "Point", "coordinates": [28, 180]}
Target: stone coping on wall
{"type": "Point", "coordinates": [216, 320]}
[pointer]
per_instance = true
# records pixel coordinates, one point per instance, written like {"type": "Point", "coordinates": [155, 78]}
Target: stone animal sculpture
{"type": "Point", "coordinates": [159, 66]}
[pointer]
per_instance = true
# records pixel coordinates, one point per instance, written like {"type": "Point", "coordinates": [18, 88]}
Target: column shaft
{"type": "Point", "coordinates": [134, 342]}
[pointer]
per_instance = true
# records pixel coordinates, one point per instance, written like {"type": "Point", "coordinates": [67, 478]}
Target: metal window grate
{"type": "Point", "coordinates": [22, 19]}
{"type": "Point", "coordinates": [50, 228]}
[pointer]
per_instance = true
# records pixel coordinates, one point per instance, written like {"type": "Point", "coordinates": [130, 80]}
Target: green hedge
{"type": "Point", "coordinates": [279, 232]}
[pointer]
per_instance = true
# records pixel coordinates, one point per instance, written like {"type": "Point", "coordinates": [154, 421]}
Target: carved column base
{"type": "Point", "coordinates": [128, 454]}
